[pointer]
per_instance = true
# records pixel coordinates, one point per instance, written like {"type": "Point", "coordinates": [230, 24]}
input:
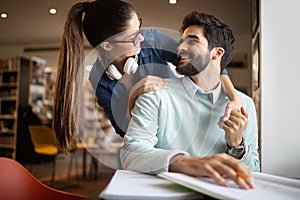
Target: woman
{"type": "Point", "coordinates": [112, 27]}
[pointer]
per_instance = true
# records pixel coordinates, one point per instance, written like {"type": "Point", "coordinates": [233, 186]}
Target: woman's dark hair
{"type": "Point", "coordinates": [98, 20]}
{"type": "Point", "coordinates": [105, 18]}
{"type": "Point", "coordinates": [216, 32]}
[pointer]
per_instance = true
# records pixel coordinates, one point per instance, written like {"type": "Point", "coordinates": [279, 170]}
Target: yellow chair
{"type": "Point", "coordinates": [17, 183]}
{"type": "Point", "coordinates": [44, 141]}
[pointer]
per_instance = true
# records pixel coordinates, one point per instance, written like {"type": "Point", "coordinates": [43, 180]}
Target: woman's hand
{"type": "Point", "coordinates": [234, 104]}
{"type": "Point", "coordinates": [147, 84]}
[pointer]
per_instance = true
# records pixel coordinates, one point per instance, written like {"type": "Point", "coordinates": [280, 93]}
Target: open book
{"type": "Point", "coordinates": [267, 187]}
{"type": "Point", "coordinates": [132, 185]}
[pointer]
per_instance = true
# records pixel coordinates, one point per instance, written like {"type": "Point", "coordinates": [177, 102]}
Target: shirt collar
{"type": "Point", "coordinates": [146, 52]}
{"type": "Point", "coordinates": [192, 88]}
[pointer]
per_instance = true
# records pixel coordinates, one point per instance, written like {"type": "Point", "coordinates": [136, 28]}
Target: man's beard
{"type": "Point", "coordinates": [190, 70]}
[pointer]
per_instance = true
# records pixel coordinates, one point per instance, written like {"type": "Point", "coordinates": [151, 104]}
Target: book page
{"type": "Point", "coordinates": [132, 185]}
{"type": "Point", "coordinates": [267, 186]}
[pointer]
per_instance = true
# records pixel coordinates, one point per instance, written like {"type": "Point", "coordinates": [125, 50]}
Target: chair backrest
{"type": "Point", "coordinates": [43, 139]}
{"type": "Point", "coordinates": [16, 182]}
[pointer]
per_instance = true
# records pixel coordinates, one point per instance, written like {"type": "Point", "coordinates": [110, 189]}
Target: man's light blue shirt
{"type": "Point", "coordinates": [181, 119]}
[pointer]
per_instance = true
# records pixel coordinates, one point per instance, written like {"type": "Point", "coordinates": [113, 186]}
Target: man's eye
{"type": "Point", "coordinates": [189, 41]}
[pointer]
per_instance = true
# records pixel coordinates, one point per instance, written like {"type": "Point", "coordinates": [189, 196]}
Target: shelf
{"type": "Point", "coordinates": [3, 146]}
{"type": "Point", "coordinates": [9, 94]}
{"type": "Point", "coordinates": [9, 70]}
{"type": "Point", "coordinates": [12, 132]}
{"type": "Point", "coordinates": [8, 98]}
{"type": "Point", "coordinates": [11, 117]}
{"type": "Point", "coordinates": [8, 84]}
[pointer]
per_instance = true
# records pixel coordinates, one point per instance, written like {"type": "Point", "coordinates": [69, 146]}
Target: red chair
{"type": "Point", "coordinates": [16, 183]}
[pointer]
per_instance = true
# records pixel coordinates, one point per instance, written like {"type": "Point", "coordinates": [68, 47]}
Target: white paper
{"type": "Point", "coordinates": [132, 185]}
{"type": "Point", "coordinates": [267, 187]}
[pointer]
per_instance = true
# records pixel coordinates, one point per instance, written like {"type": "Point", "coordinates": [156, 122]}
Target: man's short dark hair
{"type": "Point", "coordinates": [216, 31]}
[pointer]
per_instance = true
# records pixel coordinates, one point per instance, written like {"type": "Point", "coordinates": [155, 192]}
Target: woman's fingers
{"type": "Point", "coordinates": [147, 84]}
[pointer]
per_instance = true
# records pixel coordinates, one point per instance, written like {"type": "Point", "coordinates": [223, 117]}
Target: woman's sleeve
{"type": "Point", "coordinates": [224, 72]}
{"type": "Point", "coordinates": [167, 46]}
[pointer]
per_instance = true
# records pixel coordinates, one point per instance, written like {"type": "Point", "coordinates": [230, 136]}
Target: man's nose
{"type": "Point", "coordinates": [182, 47]}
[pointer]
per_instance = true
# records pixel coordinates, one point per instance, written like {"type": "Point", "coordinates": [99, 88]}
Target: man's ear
{"type": "Point", "coordinates": [217, 52]}
{"type": "Point", "coordinates": [106, 46]}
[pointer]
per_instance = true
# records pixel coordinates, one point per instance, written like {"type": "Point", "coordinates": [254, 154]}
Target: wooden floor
{"type": "Point", "coordinates": [88, 183]}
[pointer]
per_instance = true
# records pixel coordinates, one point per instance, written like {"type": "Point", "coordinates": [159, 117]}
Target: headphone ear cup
{"type": "Point", "coordinates": [131, 65]}
{"type": "Point", "coordinates": [113, 73]}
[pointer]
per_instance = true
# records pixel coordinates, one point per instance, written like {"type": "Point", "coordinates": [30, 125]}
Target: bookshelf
{"type": "Point", "coordinates": [14, 96]}
{"type": "Point", "coordinates": [49, 78]}
{"type": "Point", "coordinates": [9, 86]}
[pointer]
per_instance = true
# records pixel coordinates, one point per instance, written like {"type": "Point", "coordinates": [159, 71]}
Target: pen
{"type": "Point", "coordinates": [240, 174]}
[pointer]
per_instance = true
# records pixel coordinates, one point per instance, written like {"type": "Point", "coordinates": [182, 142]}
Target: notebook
{"type": "Point", "coordinates": [169, 185]}
{"type": "Point", "coordinates": [267, 187]}
{"type": "Point", "coordinates": [133, 185]}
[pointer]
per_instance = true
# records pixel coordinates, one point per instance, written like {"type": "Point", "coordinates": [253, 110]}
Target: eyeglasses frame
{"type": "Point", "coordinates": [134, 41]}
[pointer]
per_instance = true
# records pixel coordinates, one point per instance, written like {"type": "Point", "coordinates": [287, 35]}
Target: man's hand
{"type": "Point", "coordinates": [147, 84]}
{"type": "Point", "coordinates": [235, 126]}
{"type": "Point", "coordinates": [216, 167]}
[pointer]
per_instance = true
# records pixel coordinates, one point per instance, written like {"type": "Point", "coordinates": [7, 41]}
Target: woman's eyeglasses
{"type": "Point", "coordinates": [135, 39]}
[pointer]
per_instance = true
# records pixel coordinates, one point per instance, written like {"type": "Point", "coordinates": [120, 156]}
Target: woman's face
{"type": "Point", "coordinates": [127, 43]}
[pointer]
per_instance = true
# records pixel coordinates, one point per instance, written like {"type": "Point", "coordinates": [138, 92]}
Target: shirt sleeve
{"type": "Point", "coordinates": [224, 72]}
{"type": "Point", "coordinates": [250, 136]}
{"type": "Point", "coordinates": [138, 152]}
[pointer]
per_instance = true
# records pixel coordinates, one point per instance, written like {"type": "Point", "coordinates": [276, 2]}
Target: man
{"type": "Point", "coordinates": [176, 129]}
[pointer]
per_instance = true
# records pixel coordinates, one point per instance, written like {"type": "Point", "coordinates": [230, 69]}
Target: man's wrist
{"type": "Point", "coordinates": [234, 142]}
{"type": "Point", "coordinates": [176, 163]}
{"type": "Point", "coordinates": [236, 151]}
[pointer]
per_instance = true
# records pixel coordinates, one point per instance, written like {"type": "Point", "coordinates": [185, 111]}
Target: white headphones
{"type": "Point", "coordinates": [130, 67]}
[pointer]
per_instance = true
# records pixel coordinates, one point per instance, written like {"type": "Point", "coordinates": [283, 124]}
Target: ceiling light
{"type": "Point", "coordinates": [52, 11]}
{"type": "Point", "coordinates": [3, 15]}
{"type": "Point", "coordinates": [172, 1]}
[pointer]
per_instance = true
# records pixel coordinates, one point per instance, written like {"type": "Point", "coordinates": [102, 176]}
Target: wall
{"type": "Point", "coordinates": [235, 12]}
{"type": "Point", "coordinates": [241, 77]}
{"type": "Point", "coordinates": [9, 51]}
{"type": "Point", "coordinates": [280, 87]}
